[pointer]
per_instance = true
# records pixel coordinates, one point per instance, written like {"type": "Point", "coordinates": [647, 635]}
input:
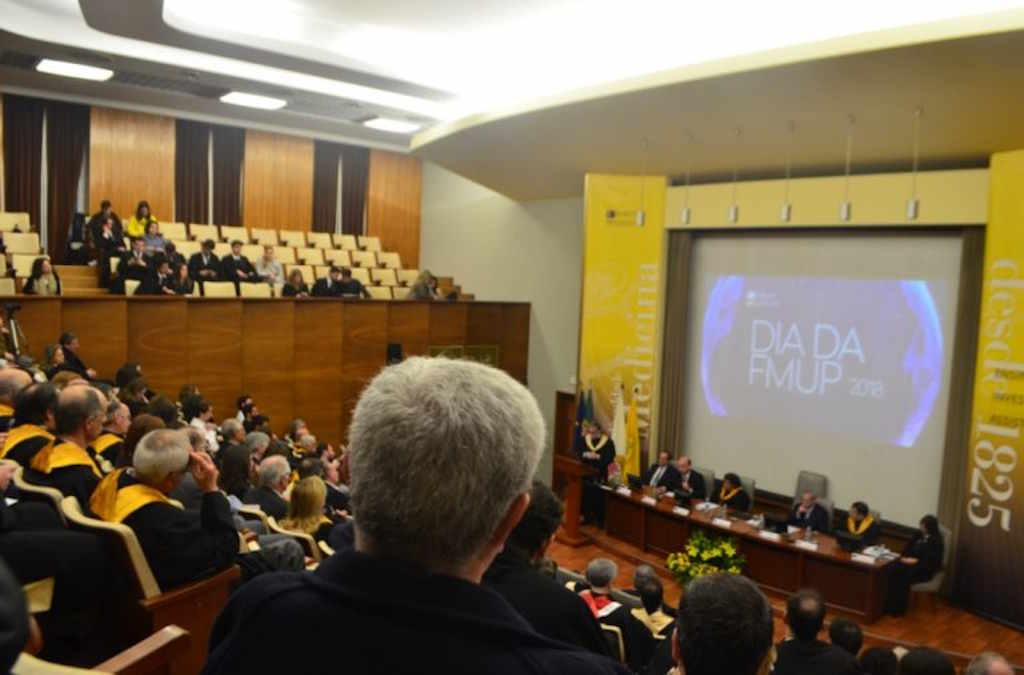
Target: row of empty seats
{"type": "Point", "coordinates": [14, 220]}
{"type": "Point", "coordinates": [227, 289]}
{"type": "Point", "coordinates": [291, 255]}
{"type": "Point", "coordinates": [271, 237]}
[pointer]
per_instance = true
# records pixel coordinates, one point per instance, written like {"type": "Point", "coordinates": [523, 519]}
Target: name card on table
{"type": "Point", "coordinates": [650, 500]}
{"type": "Point", "coordinates": [790, 529]}
{"type": "Point", "coordinates": [722, 522]}
{"type": "Point", "coordinates": [670, 495]}
{"type": "Point", "coordinates": [706, 506]}
{"type": "Point", "coordinates": [606, 487]}
{"type": "Point", "coordinates": [806, 545]}
{"type": "Point", "coordinates": [680, 511]}
{"type": "Point", "coordinates": [770, 536]}
{"type": "Point", "coordinates": [862, 559]}
{"type": "Point", "coordinates": [625, 491]}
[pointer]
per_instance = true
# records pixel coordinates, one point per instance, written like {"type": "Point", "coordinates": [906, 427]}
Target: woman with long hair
{"type": "Point", "coordinates": [181, 282]}
{"type": "Point", "coordinates": [235, 471]}
{"type": "Point", "coordinates": [139, 223]}
{"type": "Point", "coordinates": [154, 240]}
{"type": "Point", "coordinates": [295, 286]}
{"type": "Point", "coordinates": [921, 560]}
{"type": "Point", "coordinates": [54, 360]}
{"type": "Point", "coordinates": [43, 280]}
{"type": "Point", "coordinates": [306, 509]}
{"type": "Point", "coordinates": [425, 287]}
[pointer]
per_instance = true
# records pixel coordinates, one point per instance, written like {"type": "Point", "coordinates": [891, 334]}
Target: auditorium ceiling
{"type": "Point", "coordinates": [525, 97]}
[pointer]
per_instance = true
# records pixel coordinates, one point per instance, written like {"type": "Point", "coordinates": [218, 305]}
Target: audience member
{"type": "Point", "coordinates": [879, 661]}
{"type": "Point", "coordinates": [126, 373]}
{"type": "Point", "coordinates": [724, 626]}
{"type": "Point", "coordinates": [173, 257]}
{"type": "Point", "coordinates": [663, 475]}
{"type": "Point", "coordinates": [732, 494]}
{"type": "Point", "coordinates": [475, 436]}
{"type": "Point", "coordinates": [926, 661]}
{"type": "Point", "coordinates": [650, 613]}
{"type": "Point", "coordinates": [139, 427]}
{"type": "Point", "coordinates": [137, 226]}
{"type": "Point", "coordinates": [846, 634]}
{"type": "Point", "coordinates": [637, 640]}
{"type": "Point", "coordinates": [133, 395]}
{"type": "Point", "coordinates": [424, 288]}
{"type": "Point", "coordinates": [16, 630]}
{"type": "Point", "coordinates": [257, 443]}
{"type": "Point", "coordinates": [66, 463]}
{"type": "Point", "coordinates": [188, 491]}
{"type": "Point", "coordinates": [329, 286]}
{"type": "Point", "coordinates": [305, 446]}
{"type": "Point", "coordinates": [43, 280]}
{"type": "Point", "coordinates": [34, 422]}
{"type": "Point", "coordinates": [54, 360]}
{"type": "Point", "coordinates": [268, 268]}
{"type": "Point", "coordinates": [231, 433]}
{"type": "Point", "coordinates": [70, 345]}
{"type": "Point", "coordinates": [306, 509]}
{"type": "Point", "coordinates": [159, 280]}
{"type": "Point", "coordinates": [809, 514]}
{"type": "Point", "coordinates": [552, 609]}
{"type": "Point", "coordinates": [271, 481]}
{"type": "Point", "coordinates": [803, 653]}
{"type": "Point", "coordinates": [109, 444]}
{"type": "Point", "coordinates": [921, 559]}
{"type": "Point", "coordinates": [235, 472]}
{"type": "Point", "coordinates": [186, 391]}
{"type": "Point", "coordinates": [691, 482]}
{"type": "Point", "coordinates": [862, 524]}
{"type": "Point", "coordinates": [134, 263]}
{"type": "Point", "coordinates": [181, 282]}
{"type": "Point", "coordinates": [295, 286]}
{"type": "Point", "coordinates": [155, 242]}
{"type": "Point", "coordinates": [349, 287]}
{"type": "Point", "coordinates": [989, 663]}
{"type": "Point", "coordinates": [198, 412]}
{"type": "Point", "coordinates": [105, 215]}
{"type": "Point", "coordinates": [337, 492]}
{"type": "Point", "coordinates": [235, 266]}
{"type": "Point", "coordinates": [164, 408]}
{"type": "Point", "coordinates": [12, 380]}
{"type": "Point", "coordinates": [204, 266]}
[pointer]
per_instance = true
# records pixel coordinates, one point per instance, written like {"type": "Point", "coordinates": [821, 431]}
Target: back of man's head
{"type": "Point", "coordinates": [257, 441]}
{"type": "Point", "coordinates": [12, 380]}
{"type": "Point", "coordinates": [926, 661]}
{"type": "Point", "coordinates": [724, 625]}
{"type": "Point", "coordinates": [642, 573]}
{"type": "Point", "coordinates": [539, 523]}
{"type": "Point", "coordinates": [879, 661]}
{"type": "Point", "coordinates": [159, 454]}
{"type": "Point", "coordinates": [193, 406]}
{"type": "Point", "coordinates": [272, 470]}
{"type": "Point", "coordinates": [989, 663]}
{"type": "Point", "coordinates": [651, 594]}
{"type": "Point", "coordinates": [459, 441]}
{"type": "Point", "coordinates": [601, 572]}
{"type": "Point", "coordinates": [805, 614]}
{"type": "Point", "coordinates": [75, 405]}
{"type": "Point", "coordinates": [164, 408]}
{"type": "Point", "coordinates": [32, 404]}
{"type": "Point", "coordinates": [846, 634]}
{"type": "Point", "coordinates": [231, 428]}
{"type": "Point", "coordinates": [311, 466]}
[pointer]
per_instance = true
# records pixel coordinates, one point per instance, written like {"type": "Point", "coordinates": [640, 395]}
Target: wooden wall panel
{"type": "Point", "coordinates": [409, 326]}
{"type": "Point", "coordinates": [277, 183]}
{"type": "Point", "coordinates": [104, 341]}
{"type": "Point", "coordinates": [215, 353]}
{"type": "Point", "coordinates": [40, 321]}
{"type": "Point", "coordinates": [393, 192]}
{"type": "Point", "coordinates": [131, 158]}
{"type": "Point", "coordinates": [317, 368]}
{"type": "Point", "coordinates": [268, 364]}
{"type": "Point", "coordinates": [157, 340]}
{"type": "Point", "coordinates": [515, 340]}
{"type": "Point", "coordinates": [364, 348]}
{"type": "Point", "coordinates": [448, 324]}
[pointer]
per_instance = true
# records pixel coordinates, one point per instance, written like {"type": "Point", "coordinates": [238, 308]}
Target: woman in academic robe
{"type": "Point", "coordinates": [732, 495]}
{"type": "Point", "coordinates": [921, 560]}
{"type": "Point", "coordinates": [306, 509]}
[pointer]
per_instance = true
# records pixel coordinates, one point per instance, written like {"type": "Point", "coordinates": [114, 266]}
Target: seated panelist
{"type": "Point", "coordinates": [862, 524]}
{"type": "Point", "coordinates": [662, 475]}
{"type": "Point", "coordinates": [691, 483]}
{"type": "Point", "coordinates": [808, 513]}
{"type": "Point", "coordinates": [732, 494]}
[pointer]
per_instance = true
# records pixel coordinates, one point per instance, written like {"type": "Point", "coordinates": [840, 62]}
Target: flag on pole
{"type": "Point", "coordinates": [632, 449]}
{"type": "Point", "coordinates": [618, 434]}
{"type": "Point", "coordinates": [588, 411]}
{"type": "Point", "coordinates": [581, 417]}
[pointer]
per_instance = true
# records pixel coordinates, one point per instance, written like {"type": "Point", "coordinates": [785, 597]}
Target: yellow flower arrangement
{"type": "Point", "coordinates": [704, 554]}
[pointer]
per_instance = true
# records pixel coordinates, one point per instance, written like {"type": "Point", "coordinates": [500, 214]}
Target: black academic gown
{"type": "Point", "coordinates": [593, 498]}
{"type": "Point", "coordinates": [696, 482]}
{"type": "Point", "coordinates": [670, 477]}
{"type": "Point", "coordinates": [74, 363]}
{"type": "Point", "coordinates": [269, 501]}
{"type": "Point", "coordinates": [928, 552]}
{"type": "Point", "coordinates": [636, 638]}
{"type": "Point", "coordinates": [870, 536]}
{"type": "Point", "coordinates": [813, 657]}
{"type": "Point", "coordinates": [108, 446]}
{"type": "Point", "coordinates": [816, 518]}
{"type": "Point", "coordinates": [184, 546]}
{"type": "Point", "coordinates": [77, 480]}
{"type": "Point", "coordinates": [738, 502]}
{"type": "Point", "coordinates": [25, 449]}
{"type": "Point", "coordinates": [402, 620]}
{"type": "Point", "coordinates": [553, 610]}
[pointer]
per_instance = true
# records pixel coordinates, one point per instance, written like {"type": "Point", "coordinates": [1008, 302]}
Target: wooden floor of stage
{"type": "Point", "coordinates": [944, 627]}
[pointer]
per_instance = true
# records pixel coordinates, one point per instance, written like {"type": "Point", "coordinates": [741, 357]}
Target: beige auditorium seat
{"type": "Point", "coordinates": [11, 220]}
{"type": "Point", "coordinates": [325, 548]}
{"type": "Point", "coordinates": [321, 271]}
{"type": "Point", "coordinates": [265, 236]}
{"type": "Point", "coordinates": [389, 259]}
{"type": "Point", "coordinates": [383, 277]}
{"type": "Point", "coordinates": [7, 286]}
{"type": "Point", "coordinates": [364, 258]}
{"type": "Point", "coordinates": [285, 255]}
{"type": "Point", "coordinates": [400, 292]}
{"type": "Point", "coordinates": [319, 240]}
{"type": "Point", "coordinates": [230, 233]}
{"type": "Point", "coordinates": [305, 540]}
{"type": "Point", "coordinates": [362, 275]}
{"type": "Point", "coordinates": [219, 289]}
{"type": "Point", "coordinates": [310, 256]}
{"type": "Point", "coordinates": [293, 238]}
{"type": "Point", "coordinates": [253, 252]}
{"type": "Point", "coordinates": [131, 286]}
{"type": "Point", "coordinates": [379, 292]}
{"type": "Point", "coordinates": [22, 263]}
{"type": "Point", "coordinates": [255, 290]}
{"type": "Point", "coordinates": [408, 277]}
{"type": "Point", "coordinates": [187, 248]}
{"type": "Point", "coordinates": [201, 232]}
{"type": "Point", "coordinates": [22, 242]}
{"type": "Point", "coordinates": [49, 494]}
{"type": "Point", "coordinates": [369, 243]}
{"type": "Point", "coordinates": [221, 249]}
{"type": "Point", "coordinates": [174, 231]}
{"type": "Point", "coordinates": [337, 257]}
{"type": "Point", "coordinates": [3, 265]}
{"type": "Point", "coordinates": [346, 242]}
{"type": "Point", "coordinates": [305, 270]}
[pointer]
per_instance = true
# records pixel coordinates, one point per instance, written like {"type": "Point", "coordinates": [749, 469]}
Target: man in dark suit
{"type": "Point", "coordinates": [553, 610]}
{"type": "Point", "coordinates": [159, 281]}
{"type": "Point", "coordinates": [272, 475]}
{"type": "Point", "coordinates": [236, 267]}
{"type": "Point", "coordinates": [204, 266]}
{"type": "Point", "coordinates": [663, 475]}
{"type": "Point", "coordinates": [803, 653]}
{"type": "Point", "coordinates": [135, 264]}
{"type": "Point", "coordinates": [691, 483]}
{"type": "Point", "coordinates": [72, 361]}
{"type": "Point", "coordinates": [808, 513]}
{"type": "Point", "coordinates": [329, 286]}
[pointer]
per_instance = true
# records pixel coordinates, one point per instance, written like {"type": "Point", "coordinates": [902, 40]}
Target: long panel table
{"type": "Point", "coordinates": [850, 586]}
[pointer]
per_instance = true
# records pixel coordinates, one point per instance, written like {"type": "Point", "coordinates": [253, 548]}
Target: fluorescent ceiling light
{"type": "Point", "coordinates": [394, 126]}
{"type": "Point", "coordinates": [253, 101]}
{"type": "Point", "coordinates": [68, 69]}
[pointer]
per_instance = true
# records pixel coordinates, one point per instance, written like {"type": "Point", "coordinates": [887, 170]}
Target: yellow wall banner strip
{"type": "Point", "coordinates": [622, 270]}
{"type": "Point", "coordinates": [990, 567]}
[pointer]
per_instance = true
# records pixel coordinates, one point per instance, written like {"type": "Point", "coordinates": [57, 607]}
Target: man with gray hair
{"type": "Point", "coordinates": [636, 639]}
{"type": "Point", "coordinates": [257, 442]}
{"type": "Point", "coordinates": [443, 453]}
{"type": "Point", "coordinates": [272, 477]}
{"type": "Point", "coordinates": [12, 380]}
{"type": "Point", "coordinates": [232, 432]}
{"type": "Point", "coordinates": [989, 663]}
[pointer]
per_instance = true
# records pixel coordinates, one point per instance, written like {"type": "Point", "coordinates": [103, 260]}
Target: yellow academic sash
{"type": "Point", "coordinates": [60, 454]}
{"type": "Point", "coordinates": [114, 504]}
{"type": "Point", "coordinates": [726, 497]}
{"type": "Point", "coordinates": [23, 433]}
{"type": "Point", "coordinates": [6, 410]}
{"type": "Point", "coordinates": [107, 439]}
{"type": "Point", "coordinates": [864, 525]}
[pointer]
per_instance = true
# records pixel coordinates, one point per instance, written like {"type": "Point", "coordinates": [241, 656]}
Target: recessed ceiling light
{"type": "Point", "coordinates": [394, 126]}
{"type": "Point", "coordinates": [68, 69]}
{"type": "Point", "coordinates": [253, 101]}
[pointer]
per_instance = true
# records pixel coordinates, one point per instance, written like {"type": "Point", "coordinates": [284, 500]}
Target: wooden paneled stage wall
{"type": "Point", "coordinates": [393, 191]}
{"type": "Point", "coordinates": [307, 358]}
{"type": "Point", "coordinates": [131, 158]}
{"type": "Point", "coordinates": [277, 190]}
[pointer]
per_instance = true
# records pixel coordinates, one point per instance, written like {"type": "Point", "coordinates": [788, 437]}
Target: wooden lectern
{"type": "Point", "coordinates": [572, 471]}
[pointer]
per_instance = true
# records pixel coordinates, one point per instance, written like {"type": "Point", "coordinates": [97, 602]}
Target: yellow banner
{"type": "Point", "coordinates": [990, 567]}
{"type": "Point", "coordinates": [624, 228]}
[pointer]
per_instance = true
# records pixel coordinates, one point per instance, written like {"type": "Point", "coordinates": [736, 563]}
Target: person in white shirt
{"type": "Point", "coordinates": [199, 414]}
{"type": "Point", "coordinates": [268, 268]}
